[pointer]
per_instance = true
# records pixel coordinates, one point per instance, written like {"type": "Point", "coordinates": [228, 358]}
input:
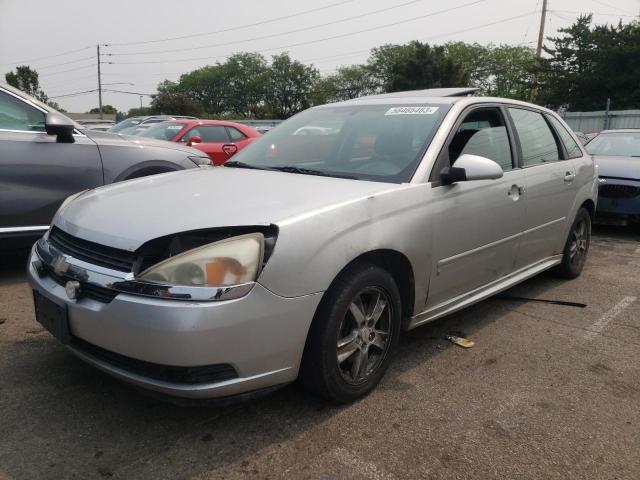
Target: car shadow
{"type": "Point", "coordinates": [65, 418]}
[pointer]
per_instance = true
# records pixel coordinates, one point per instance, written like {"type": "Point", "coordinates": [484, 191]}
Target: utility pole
{"type": "Point", "coordinates": [140, 104]}
{"type": "Point", "coordinates": [543, 17]}
{"type": "Point", "coordinates": [100, 83]}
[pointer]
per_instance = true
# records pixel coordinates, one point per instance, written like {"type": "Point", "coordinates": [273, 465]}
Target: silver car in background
{"type": "Point", "coordinates": [306, 255]}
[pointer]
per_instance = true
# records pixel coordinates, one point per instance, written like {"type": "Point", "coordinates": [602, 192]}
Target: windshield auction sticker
{"type": "Point", "coordinates": [411, 111]}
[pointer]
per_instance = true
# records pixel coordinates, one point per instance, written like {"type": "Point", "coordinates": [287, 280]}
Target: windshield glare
{"type": "Point", "coordinates": [623, 144]}
{"type": "Point", "coordinates": [366, 142]}
{"type": "Point", "coordinates": [163, 131]}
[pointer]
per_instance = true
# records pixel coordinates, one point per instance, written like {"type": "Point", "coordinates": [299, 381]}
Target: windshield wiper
{"type": "Point", "coordinates": [238, 164]}
{"type": "Point", "coordinates": [311, 171]}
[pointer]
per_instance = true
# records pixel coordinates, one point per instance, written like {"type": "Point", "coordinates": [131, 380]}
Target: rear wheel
{"type": "Point", "coordinates": [353, 335]}
{"type": "Point", "coordinates": [577, 246]}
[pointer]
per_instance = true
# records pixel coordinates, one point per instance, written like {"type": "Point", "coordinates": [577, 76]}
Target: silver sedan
{"type": "Point", "coordinates": [305, 256]}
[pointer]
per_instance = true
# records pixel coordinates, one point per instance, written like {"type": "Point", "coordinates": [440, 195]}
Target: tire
{"type": "Point", "coordinates": [366, 350]}
{"type": "Point", "coordinates": [576, 246]}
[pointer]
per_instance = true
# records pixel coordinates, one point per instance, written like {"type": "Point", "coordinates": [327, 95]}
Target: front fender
{"type": "Point", "coordinates": [313, 248]}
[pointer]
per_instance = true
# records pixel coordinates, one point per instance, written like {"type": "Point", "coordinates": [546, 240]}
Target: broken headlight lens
{"type": "Point", "coordinates": [231, 261]}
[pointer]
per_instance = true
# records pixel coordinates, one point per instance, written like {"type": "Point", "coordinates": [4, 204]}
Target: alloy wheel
{"type": "Point", "coordinates": [579, 242]}
{"type": "Point", "coordinates": [364, 335]}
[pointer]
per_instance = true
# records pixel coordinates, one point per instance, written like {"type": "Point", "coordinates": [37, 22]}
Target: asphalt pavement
{"type": "Point", "coordinates": [548, 391]}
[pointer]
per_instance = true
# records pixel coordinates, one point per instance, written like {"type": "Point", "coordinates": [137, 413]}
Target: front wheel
{"type": "Point", "coordinates": [353, 335]}
{"type": "Point", "coordinates": [577, 246]}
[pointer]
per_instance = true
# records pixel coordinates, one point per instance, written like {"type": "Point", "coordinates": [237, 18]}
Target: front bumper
{"type": "Point", "coordinates": [619, 197]}
{"type": "Point", "coordinates": [261, 335]}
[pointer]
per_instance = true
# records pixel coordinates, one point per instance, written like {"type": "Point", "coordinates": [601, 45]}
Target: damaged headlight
{"type": "Point", "coordinates": [231, 261]}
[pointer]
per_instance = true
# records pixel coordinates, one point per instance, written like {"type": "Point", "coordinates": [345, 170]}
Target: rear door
{"type": "Point", "coordinates": [36, 172]}
{"type": "Point", "coordinates": [476, 223]}
{"type": "Point", "coordinates": [550, 188]}
{"type": "Point", "coordinates": [215, 142]}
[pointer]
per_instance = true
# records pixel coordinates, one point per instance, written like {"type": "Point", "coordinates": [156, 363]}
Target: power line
{"type": "Point", "coordinates": [73, 94]}
{"type": "Point", "coordinates": [66, 63]}
{"type": "Point", "coordinates": [91, 65]}
{"type": "Point", "coordinates": [272, 35]}
{"type": "Point", "coordinates": [612, 6]}
{"type": "Point", "coordinates": [48, 56]}
{"type": "Point", "coordinates": [308, 42]}
{"type": "Point", "coordinates": [594, 13]}
{"type": "Point", "coordinates": [248, 25]}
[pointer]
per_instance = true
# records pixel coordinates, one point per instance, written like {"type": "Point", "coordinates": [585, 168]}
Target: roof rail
{"type": "Point", "coordinates": [429, 92]}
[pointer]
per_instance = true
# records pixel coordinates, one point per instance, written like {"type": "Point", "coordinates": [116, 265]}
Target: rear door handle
{"type": "Point", "coordinates": [569, 177]}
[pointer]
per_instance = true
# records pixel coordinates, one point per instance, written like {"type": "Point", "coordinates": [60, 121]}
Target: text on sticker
{"type": "Point", "coordinates": [411, 111]}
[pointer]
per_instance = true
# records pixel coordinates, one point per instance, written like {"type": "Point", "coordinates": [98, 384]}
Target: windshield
{"type": "Point", "coordinates": [163, 131]}
{"type": "Point", "coordinates": [623, 144]}
{"type": "Point", "coordinates": [129, 122]}
{"type": "Point", "coordinates": [366, 142]}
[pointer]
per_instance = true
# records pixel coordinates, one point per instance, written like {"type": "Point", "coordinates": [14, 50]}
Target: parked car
{"type": "Point", "coordinates": [617, 155]}
{"type": "Point", "coordinates": [45, 157]}
{"type": "Point", "coordinates": [218, 139]}
{"type": "Point", "coordinates": [135, 125]}
{"type": "Point", "coordinates": [100, 127]}
{"type": "Point", "coordinates": [286, 264]}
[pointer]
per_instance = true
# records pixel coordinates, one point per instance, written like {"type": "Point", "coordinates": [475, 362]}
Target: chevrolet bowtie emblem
{"type": "Point", "coordinates": [59, 265]}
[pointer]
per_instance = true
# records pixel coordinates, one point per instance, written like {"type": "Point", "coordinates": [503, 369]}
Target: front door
{"type": "Point", "coordinates": [215, 142]}
{"type": "Point", "coordinates": [477, 223]}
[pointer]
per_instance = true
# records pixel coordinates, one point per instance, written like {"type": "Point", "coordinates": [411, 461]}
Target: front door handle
{"type": "Point", "coordinates": [516, 191]}
{"type": "Point", "coordinates": [569, 177]}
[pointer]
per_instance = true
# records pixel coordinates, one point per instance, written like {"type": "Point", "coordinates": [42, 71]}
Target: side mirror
{"type": "Point", "coordinates": [471, 167]}
{"type": "Point", "coordinates": [59, 125]}
{"type": "Point", "coordinates": [194, 139]}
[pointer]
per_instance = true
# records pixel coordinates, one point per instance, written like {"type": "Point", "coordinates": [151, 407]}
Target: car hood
{"type": "Point", "coordinates": [621, 167]}
{"type": "Point", "coordinates": [107, 138]}
{"type": "Point", "coordinates": [126, 215]}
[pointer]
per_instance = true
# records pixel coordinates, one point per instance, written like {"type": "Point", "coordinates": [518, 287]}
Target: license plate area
{"type": "Point", "coordinates": [52, 316]}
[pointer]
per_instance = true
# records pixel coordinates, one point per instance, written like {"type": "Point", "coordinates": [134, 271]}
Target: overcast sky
{"type": "Point", "coordinates": [41, 33]}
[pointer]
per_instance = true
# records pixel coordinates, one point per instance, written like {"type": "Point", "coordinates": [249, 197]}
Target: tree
{"type": "Point", "coordinates": [289, 83]}
{"type": "Point", "coordinates": [587, 64]}
{"type": "Point", "coordinates": [348, 82]}
{"type": "Point", "coordinates": [246, 77]}
{"type": "Point", "coordinates": [108, 109]}
{"type": "Point", "coordinates": [415, 66]}
{"type": "Point", "coordinates": [500, 71]}
{"type": "Point", "coordinates": [175, 103]}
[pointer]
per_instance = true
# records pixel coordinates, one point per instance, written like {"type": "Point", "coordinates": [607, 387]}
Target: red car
{"type": "Point", "coordinates": [218, 139]}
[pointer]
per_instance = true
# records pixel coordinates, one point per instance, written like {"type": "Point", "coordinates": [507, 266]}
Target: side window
{"type": "Point", "coordinates": [213, 134]}
{"type": "Point", "coordinates": [235, 134]}
{"type": "Point", "coordinates": [18, 115]}
{"type": "Point", "coordinates": [483, 132]}
{"type": "Point", "coordinates": [570, 145]}
{"type": "Point", "coordinates": [536, 139]}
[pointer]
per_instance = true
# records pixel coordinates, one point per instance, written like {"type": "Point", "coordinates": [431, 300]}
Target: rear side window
{"type": "Point", "coordinates": [17, 115]}
{"type": "Point", "coordinates": [235, 134]}
{"type": "Point", "coordinates": [536, 139]}
{"type": "Point", "coordinates": [210, 134]}
{"type": "Point", "coordinates": [570, 145]}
